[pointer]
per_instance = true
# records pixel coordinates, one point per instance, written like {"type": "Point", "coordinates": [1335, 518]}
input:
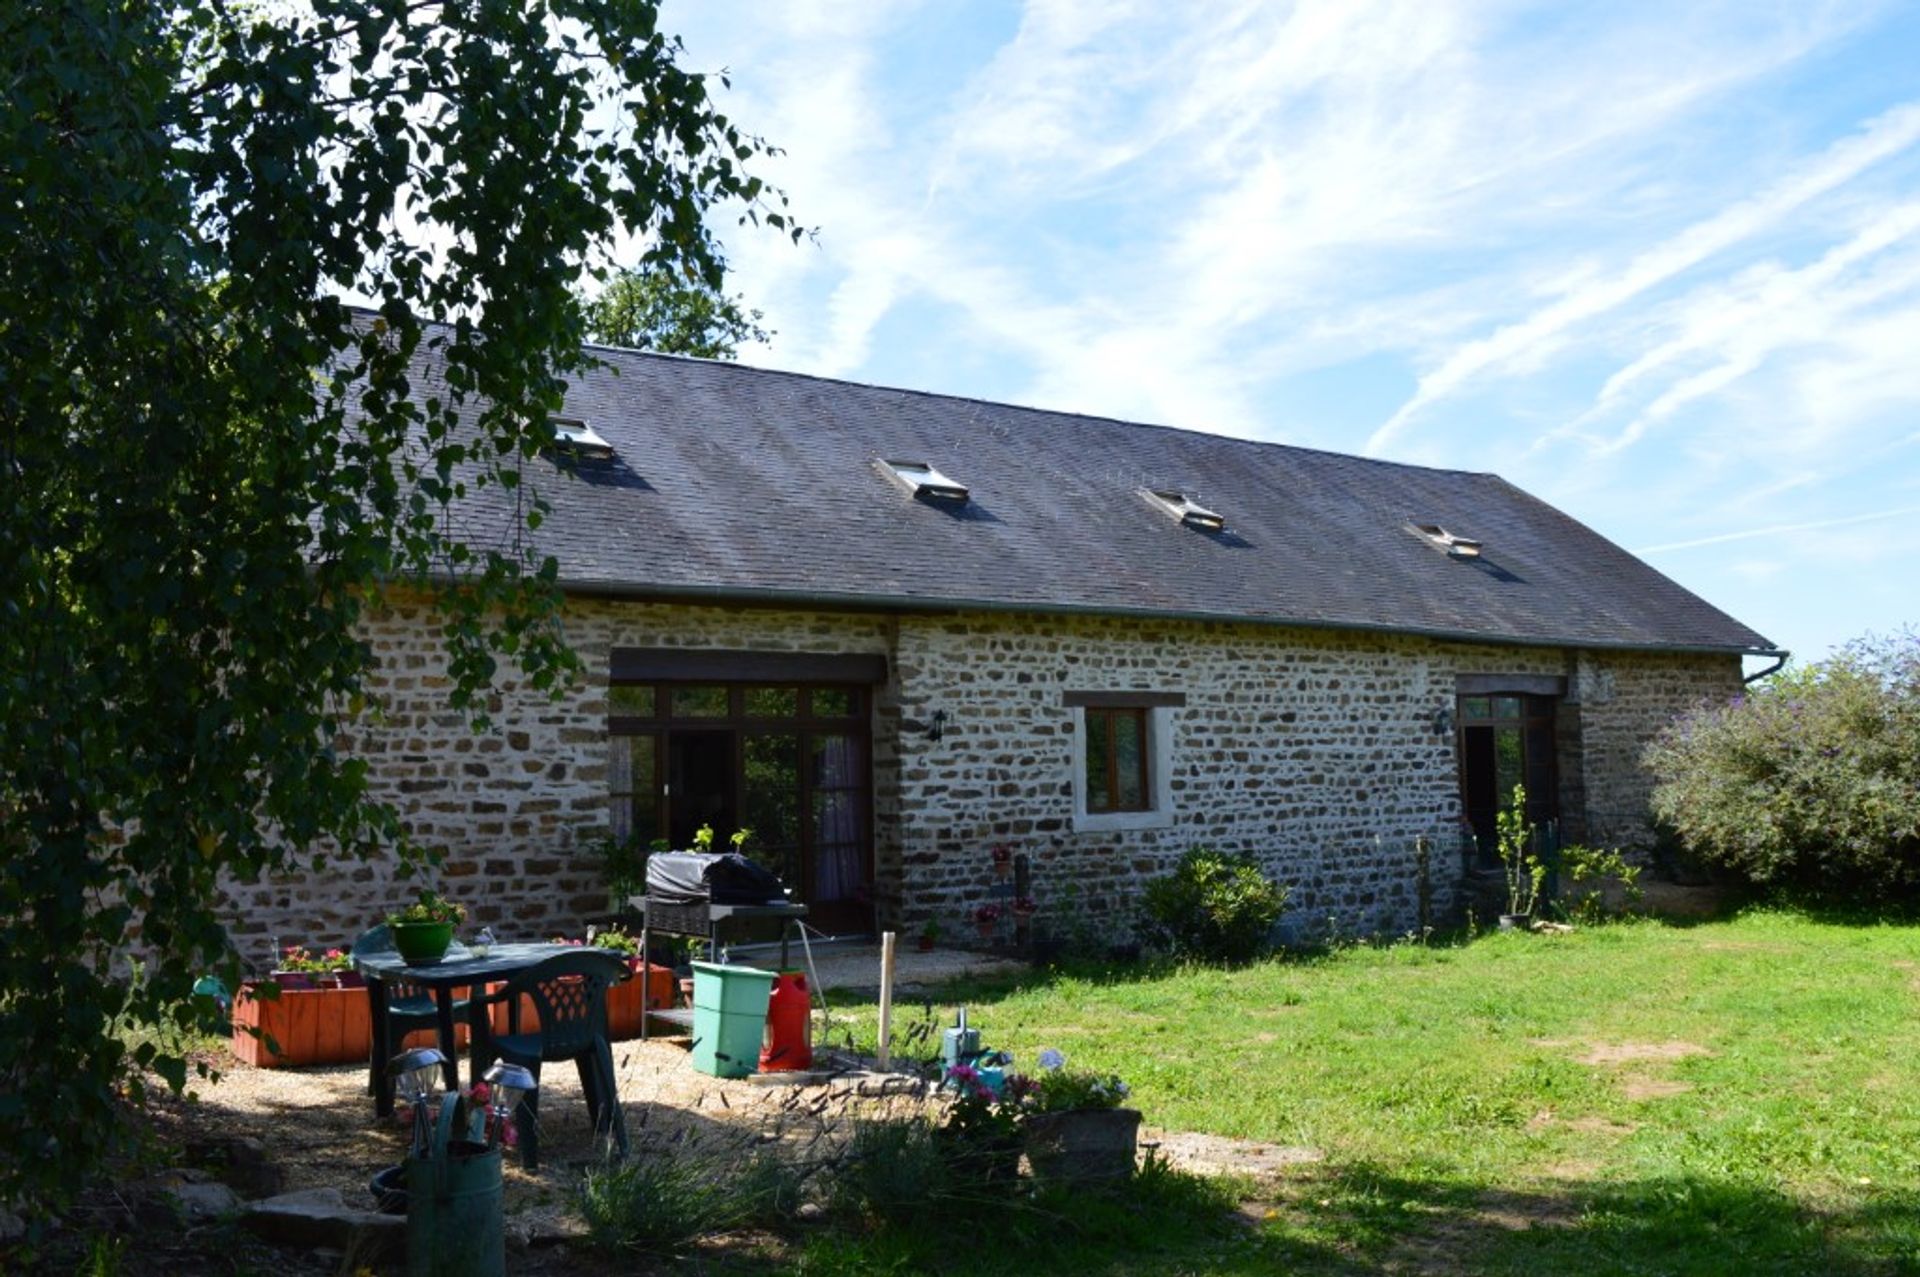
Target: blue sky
{"type": "Point", "coordinates": [1658, 264]}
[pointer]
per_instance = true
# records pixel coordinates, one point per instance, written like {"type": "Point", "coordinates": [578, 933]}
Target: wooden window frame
{"type": "Point", "coordinates": [1101, 718]}
{"type": "Point", "coordinates": [806, 725]}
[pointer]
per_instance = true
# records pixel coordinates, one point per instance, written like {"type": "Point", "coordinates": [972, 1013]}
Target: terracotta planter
{"type": "Point", "coordinates": [302, 1026]}
{"type": "Point", "coordinates": [314, 1026]}
{"type": "Point", "coordinates": [650, 989]}
{"type": "Point", "coordinates": [1083, 1145]}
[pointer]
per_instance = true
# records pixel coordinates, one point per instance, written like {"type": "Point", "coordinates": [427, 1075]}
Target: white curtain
{"type": "Point", "coordinates": [839, 782]}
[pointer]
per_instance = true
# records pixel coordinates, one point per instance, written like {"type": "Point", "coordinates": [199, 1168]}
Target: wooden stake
{"type": "Point", "coordinates": [886, 998]}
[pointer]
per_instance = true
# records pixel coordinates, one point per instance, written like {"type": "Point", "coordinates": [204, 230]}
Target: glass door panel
{"type": "Point", "coordinates": [699, 786]}
{"type": "Point", "coordinates": [770, 802]}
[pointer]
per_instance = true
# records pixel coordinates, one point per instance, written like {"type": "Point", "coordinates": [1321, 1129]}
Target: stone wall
{"type": "Point", "coordinates": [1625, 699]}
{"type": "Point", "coordinates": [516, 807]}
{"type": "Point", "coordinates": [1314, 750]}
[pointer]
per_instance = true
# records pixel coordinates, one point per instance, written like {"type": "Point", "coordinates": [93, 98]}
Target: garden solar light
{"type": "Point", "coordinates": [509, 1083]}
{"type": "Point", "coordinates": [412, 1072]}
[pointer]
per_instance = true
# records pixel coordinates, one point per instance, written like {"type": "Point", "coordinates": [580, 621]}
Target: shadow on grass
{"type": "Point", "coordinates": [1354, 1221]}
{"type": "Point", "coordinates": [1357, 1220]}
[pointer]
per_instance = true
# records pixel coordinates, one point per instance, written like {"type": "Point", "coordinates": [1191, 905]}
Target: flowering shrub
{"type": "Point", "coordinates": [1811, 781]}
{"type": "Point", "coordinates": [613, 938]}
{"type": "Point", "coordinates": [982, 1131]}
{"type": "Point", "coordinates": [1058, 1089]}
{"type": "Point", "coordinates": [986, 915]}
{"type": "Point", "coordinates": [296, 958]}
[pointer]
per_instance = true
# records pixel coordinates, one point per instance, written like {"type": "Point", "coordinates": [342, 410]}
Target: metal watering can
{"type": "Point", "coordinates": [455, 1224]}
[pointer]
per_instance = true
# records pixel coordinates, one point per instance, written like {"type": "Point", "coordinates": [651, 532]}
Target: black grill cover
{"type": "Point", "coordinates": [711, 877]}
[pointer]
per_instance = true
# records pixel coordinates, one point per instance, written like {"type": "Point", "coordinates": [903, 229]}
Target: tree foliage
{"type": "Point", "coordinates": [209, 463]}
{"type": "Point", "coordinates": [654, 309]}
{"type": "Point", "coordinates": [1811, 782]}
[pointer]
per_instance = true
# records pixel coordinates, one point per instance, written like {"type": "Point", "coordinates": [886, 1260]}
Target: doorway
{"type": "Point", "coordinates": [792, 763]}
{"type": "Point", "coordinates": [1503, 741]}
{"type": "Point", "coordinates": [699, 785]}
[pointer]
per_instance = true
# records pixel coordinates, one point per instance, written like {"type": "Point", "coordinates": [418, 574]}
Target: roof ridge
{"type": "Point", "coordinates": [1097, 418]}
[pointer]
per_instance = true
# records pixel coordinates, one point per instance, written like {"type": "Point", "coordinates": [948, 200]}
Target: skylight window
{"type": "Point", "coordinates": [575, 435]}
{"type": "Point", "coordinates": [1455, 545]}
{"type": "Point", "coordinates": [1186, 509]}
{"type": "Point", "coordinates": [923, 480]}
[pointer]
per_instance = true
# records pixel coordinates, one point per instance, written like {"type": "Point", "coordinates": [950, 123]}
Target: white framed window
{"type": "Point", "coordinates": [1123, 759]}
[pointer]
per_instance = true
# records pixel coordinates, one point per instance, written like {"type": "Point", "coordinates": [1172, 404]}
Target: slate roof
{"type": "Point", "coordinates": [732, 482]}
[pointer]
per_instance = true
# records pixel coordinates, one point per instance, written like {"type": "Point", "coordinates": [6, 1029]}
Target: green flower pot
{"type": "Point", "coordinates": [421, 943]}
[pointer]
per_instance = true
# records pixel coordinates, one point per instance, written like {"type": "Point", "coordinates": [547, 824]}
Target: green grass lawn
{"type": "Point", "coordinates": [1730, 1097]}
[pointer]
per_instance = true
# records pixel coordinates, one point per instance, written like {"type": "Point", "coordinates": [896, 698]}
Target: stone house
{"type": "Point", "coordinates": [888, 630]}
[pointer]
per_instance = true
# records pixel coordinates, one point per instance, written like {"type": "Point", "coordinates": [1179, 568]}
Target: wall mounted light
{"type": "Point", "coordinates": [1443, 721]}
{"type": "Point", "coordinates": [937, 725]}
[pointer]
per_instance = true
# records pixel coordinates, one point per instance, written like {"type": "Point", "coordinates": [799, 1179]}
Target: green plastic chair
{"type": "Point", "coordinates": [569, 994]}
{"type": "Point", "coordinates": [409, 1009]}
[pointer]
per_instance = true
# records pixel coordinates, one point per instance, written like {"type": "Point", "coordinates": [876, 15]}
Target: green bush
{"type": "Point", "coordinates": [1213, 906]}
{"type": "Point", "coordinates": [1585, 873]}
{"type": "Point", "coordinates": [897, 1168]}
{"type": "Point", "coordinates": [662, 1202]}
{"type": "Point", "coordinates": [1810, 783]}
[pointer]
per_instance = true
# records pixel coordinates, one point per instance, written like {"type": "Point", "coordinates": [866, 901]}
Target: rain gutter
{"type": "Point", "coordinates": [748, 596]}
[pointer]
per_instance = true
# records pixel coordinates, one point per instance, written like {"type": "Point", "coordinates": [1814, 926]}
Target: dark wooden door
{"type": "Point", "coordinates": [1504, 741]}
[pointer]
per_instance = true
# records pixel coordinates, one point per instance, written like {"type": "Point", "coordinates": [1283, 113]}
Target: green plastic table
{"type": "Point", "coordinates": [459, 969]}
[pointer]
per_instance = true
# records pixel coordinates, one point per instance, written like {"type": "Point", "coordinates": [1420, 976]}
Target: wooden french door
{"type": "Point", "coordinates": [790, 762]}
{"type": "Point", "coordinates": [1505, 740]}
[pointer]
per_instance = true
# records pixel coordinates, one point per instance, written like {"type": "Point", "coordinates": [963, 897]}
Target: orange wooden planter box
{"type": "Point", "coordinates": [624, 1002]}
{"type": "Point", "coordinates": [313, 1026]}
{"type": "Point", "coordinates": [307, 1026]}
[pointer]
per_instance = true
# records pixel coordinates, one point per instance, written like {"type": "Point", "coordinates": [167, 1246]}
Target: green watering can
{"type": "Point", "coordinates": [455, 1224]}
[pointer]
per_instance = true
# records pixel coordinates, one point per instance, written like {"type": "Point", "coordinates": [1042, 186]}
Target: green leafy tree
{"type": "Point", "coordinates": [209, 464]}
{"type": "Point", "coordinates": [1808, 783]}
{"type": "Point", "coordinates": [655, 309]}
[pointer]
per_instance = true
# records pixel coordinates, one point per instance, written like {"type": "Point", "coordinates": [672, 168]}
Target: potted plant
{"type": "Point", "coordinates": [623, 863]}
{"type": "Point", "coordinates": [1074, 1123]}
{"type": "Point", "coordinates": [1002, 860]}
{"type": "Point", "coordinates": [650, 989]}
{"type": "Point", "coordinates": [929, 934]}
{"type": "Point", "coordinates": [423, 930]}
{"type": "Point", "coordinates": [300, 969]}
{"type": "Point", "coordinates": [1523, 869]}
{"type": "Point", "coordinates": [1024, 907]}
{"type": "Point", "coordinates": [980, 1137]}
{"type": "Point", "coordinates": [987, 919]}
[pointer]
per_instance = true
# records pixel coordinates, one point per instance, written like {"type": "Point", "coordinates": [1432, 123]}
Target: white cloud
{"type": "Point", "coordinates": [1884, 137]}
{"type": "Point", "coordinates": [1780, 530]}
